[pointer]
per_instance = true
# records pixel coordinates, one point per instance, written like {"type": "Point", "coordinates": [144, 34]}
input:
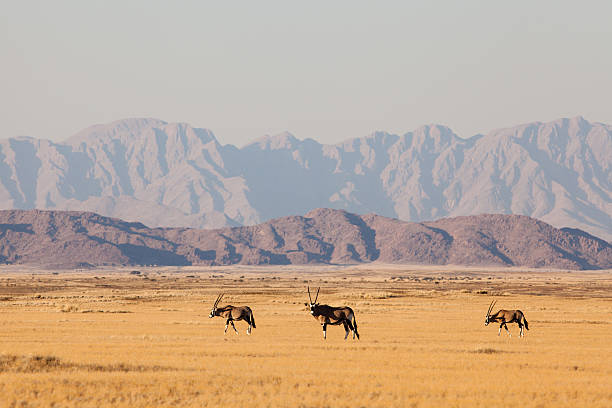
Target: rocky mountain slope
{"type": "Point", "coordinates": [171, 174]}
{"type": "Point", "coordinates": [77, 239]}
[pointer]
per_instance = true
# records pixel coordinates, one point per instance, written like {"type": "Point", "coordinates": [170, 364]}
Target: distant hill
{"type": "Point", "coordinates": [77, 239]}
{"type": "Point", "coordinates": [174, 175]}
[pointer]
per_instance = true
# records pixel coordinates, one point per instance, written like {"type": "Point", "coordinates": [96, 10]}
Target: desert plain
{"type": "Point", "coordinates": [141, 337]}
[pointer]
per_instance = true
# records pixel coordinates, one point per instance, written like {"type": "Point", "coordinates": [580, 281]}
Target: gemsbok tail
{"type": "Point", "coordinates": [524, 320]}
{"type": "Point", "coordinates": [253, 321]}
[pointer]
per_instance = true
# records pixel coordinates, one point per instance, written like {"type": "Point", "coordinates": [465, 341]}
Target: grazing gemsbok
{"type": "Point", "coordinates": [506, 316]}
{"type": "Point", "coordinates": [333, 315]}
{"type": "Point", "coordinates": [232, 313]}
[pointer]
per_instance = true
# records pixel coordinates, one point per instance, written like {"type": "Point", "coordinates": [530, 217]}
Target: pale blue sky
{"type": "Point", "coordinates": [328, 70]}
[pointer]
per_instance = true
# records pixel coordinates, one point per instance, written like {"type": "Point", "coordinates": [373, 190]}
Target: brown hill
{"type": "Point", "coordinates": [76, 239]}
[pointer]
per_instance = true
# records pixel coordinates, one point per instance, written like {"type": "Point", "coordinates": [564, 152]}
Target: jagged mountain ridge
{"type": "Point", "coordinates": [171, 174]}
{"type": "Point", "coordinates": [67, 239]}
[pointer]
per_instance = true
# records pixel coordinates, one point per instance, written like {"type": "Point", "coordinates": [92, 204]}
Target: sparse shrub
{"type": "Point", "coordinates": [486, 350]}
{"type": "Point", "coordinates": [373, 295]}
{"type": "Point", "coordinates": [28, 364]}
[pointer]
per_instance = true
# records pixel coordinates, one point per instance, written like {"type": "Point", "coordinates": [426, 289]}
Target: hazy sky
{"type": "Point", "coordinates": [328, 70]}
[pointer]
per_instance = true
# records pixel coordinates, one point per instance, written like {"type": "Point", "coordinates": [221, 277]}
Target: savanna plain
{"type": "Point", "coordinates": [142, 338]}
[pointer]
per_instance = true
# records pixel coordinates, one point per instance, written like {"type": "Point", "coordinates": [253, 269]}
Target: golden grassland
{"type": "Point", "coordinates": [114, 338]}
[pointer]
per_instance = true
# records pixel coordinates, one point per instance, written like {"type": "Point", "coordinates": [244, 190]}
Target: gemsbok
{"type": "Point", "coordinates": [506, 316]}
{"type": "Point", "coordinates": [329, 315]}
{"type": "Point", "coordinates": [232, 313]}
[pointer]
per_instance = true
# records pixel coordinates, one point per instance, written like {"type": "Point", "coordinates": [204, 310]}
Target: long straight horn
{"type": "Point", "coordinates": [309, 297]}
{"type": "Point", "coordinates": [217, 300]}
{"type": "Point", "coordinates": [489, 309]}
{"type": "Point", "coordinates": [316, 297]}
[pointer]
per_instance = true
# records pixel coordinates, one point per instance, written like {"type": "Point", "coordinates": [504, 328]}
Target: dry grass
{"type": "Point", "coordinates": [116, 339]}
{"type": "Point", "coordinates": [39, 364]}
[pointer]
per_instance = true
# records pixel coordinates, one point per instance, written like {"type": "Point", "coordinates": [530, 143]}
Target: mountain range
{"type": "Point", "coordinates": [174, 175]}
{"type": "Point", "coordinates": [68, 239]}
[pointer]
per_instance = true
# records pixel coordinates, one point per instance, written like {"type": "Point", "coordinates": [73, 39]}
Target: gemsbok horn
{"type": "Point", "coordinates": [232, 313]}
{"type": "Point", "coordinates": [506, 316]}
{"type": "Point", "coordinates": [329, 315]}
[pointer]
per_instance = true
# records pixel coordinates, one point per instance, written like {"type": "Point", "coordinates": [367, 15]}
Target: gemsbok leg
{"type": "Point", "coordinates": [346, 329]}
{"type": "Point", "coordinates": [353, 328]}
{"type": "Point", "coordinates": [227, 323]}
{"type": "Point", "coordinates": [325, 330]}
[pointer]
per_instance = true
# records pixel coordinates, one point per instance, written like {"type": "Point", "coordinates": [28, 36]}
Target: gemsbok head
{"type": "Point", "coordinates": [232, 313]}
{"type": "Point", "coordinates": [506, 316]}
{"type": "Point", "coordinates": [329, 315]}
